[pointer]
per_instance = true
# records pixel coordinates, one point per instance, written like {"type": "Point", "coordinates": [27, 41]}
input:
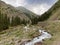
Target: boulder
{"type": "Point", "coordinates": [38, 43]}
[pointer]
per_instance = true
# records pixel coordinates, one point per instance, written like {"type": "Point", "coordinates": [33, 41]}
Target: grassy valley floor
{"type": "Point", "coordinates": [17, 35]}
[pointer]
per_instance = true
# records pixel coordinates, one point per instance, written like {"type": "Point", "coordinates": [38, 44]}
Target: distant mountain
{"type": "Point", "coordinates": [53, 13]}
{"type": "Point", "coordinates": [27, 12]}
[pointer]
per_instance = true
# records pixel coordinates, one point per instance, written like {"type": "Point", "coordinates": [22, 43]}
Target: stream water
{"type": "Point", "coordinates": [44, 35]}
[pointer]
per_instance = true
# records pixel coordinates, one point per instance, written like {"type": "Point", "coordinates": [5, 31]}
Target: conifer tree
{"type": "Point", "coordinates": [5, 22]}
{"type": "Point", "coordinates": [17, 20]}
{"type": "Point", "coordinates": [12, 21]}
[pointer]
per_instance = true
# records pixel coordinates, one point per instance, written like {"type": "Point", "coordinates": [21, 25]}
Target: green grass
{"type": "Point", "coordinates": [11, 35]}
{"type": "Point", "coordinates": [53, 28]}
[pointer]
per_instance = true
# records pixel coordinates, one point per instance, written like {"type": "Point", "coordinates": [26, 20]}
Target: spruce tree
{"type": "Point", "coordinates": [1, 26]}
{"type": "Point", "coordinates": [5, 22]}
{"type": "Point", "coordinates": [17, 20]}
{"type": "Point", "coordinates": [12, 21]}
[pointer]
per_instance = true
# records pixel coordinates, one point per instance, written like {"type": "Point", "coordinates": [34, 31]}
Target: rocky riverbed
{"type": "Point", "coordinates": [38, 40]}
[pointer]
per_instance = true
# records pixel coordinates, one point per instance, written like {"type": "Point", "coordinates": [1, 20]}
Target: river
{"type": "Point", "coordinates": [44, 35]}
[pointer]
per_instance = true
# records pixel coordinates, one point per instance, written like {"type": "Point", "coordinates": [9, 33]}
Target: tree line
{"type": "Point", "coordinates": [6, 22]}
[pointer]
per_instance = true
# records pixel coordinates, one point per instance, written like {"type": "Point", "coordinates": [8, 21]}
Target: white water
{"type": "Point", "coordinates": [44, 35]}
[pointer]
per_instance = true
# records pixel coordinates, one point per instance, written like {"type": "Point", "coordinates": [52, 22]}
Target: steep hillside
{"type": "Point", "coordinates": [10, 16]}
{"type": "Point", "coordinates": [23, 13]}
{"type": "Point", "coordinates": [11, 11]}
{"type": "Point", "coordinates": [53, 13]}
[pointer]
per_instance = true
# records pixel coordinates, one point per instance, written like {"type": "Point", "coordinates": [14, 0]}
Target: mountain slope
{"type": "Point", "coordinates": [11, 11]}
{"type": "Point", "coordinates": [53, 13]}
{"type": "Point", "coordinates": [23, 13]}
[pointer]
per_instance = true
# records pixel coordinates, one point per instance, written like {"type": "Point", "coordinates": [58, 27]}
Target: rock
{"type": "Point", "coordinates": [38, 43]}
{"type": "Point", "coordinates": [19, 41]}
{"type": "Point", "coordinates": [28, 40]}
{"type": "Point", "coordinates": [24, 41]}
